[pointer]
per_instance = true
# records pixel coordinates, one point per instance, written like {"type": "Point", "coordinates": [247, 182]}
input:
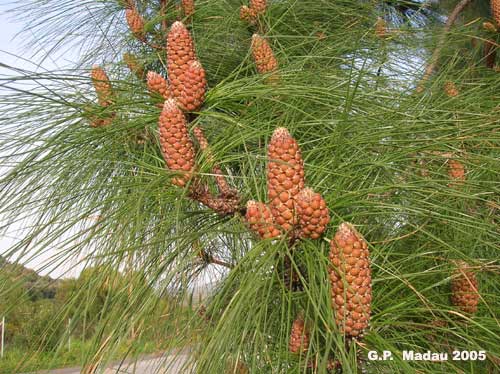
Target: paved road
{"type": "Point", "coordinates": [171, 364]}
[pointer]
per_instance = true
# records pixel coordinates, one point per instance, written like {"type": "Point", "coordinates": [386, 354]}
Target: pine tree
{"type": "Point", "coordinates": [233, 151]}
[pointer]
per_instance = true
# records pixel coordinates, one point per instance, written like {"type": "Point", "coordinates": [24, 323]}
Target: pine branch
{"type": "Point", "coordinates": [431, 66]}
{"type": "Point", "coordinates": [224, 188]}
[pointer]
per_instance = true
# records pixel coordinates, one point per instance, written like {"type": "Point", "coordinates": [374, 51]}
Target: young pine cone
{"type": "Point", "coordinates": [495, 10]}
{"type": "Point", "coordinates": [456, 170]}
{"type": "Point", "coordinates": [134, 65]}
{"type": "Point", "coordinates": [248, 15]}
{"type": "Point", "coordinates": [135, 22]}
{"type": "Point", "coordinates": [189, 88]}
{"type": "Point", "coordinates": [350, 279]}
{"type": "Point", "coordinates": [176, 145]}
{"type": "Point", "coordinates": [312, 213]}
{"type": "Point", "coordinates": [102, 86]}
{"type": "Point", "coordinates": [299, 337]}
{"type": "Point", "coordinates": [263, 55]}
{"type": "Point", "coordinates": [450, 89]}
{"type": "Point", "coordinates": [158, 84]}
{"type": "Point", "coordinates": [258, 6]}
{"type": "Point", "coordinates": [261, 220]}
{"type": "Point", "coordinates": [188, 7]}
{"type": "Point", "coordinates": [285, 177]}
{"type": "Point", "coordinates": [464, 288]}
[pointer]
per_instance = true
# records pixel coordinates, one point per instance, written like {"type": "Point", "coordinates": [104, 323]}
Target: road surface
{"type": "Point", "coordinates": [154, 364]}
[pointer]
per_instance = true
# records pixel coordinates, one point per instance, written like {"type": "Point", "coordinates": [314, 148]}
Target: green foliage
{"type": "Point", "coordinates": [374, 148]}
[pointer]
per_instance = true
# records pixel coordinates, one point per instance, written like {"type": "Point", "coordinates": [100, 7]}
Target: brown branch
{"type": "Point", "coordinates": [143, 39]}
{"type": "Point", "coordinates": [223, 205]}
{"type": "Point", "coordinates": [222, 184]}
{"type": "Point", "coordinates": [431, 67]}
{"type": "Point", "coordinates": [163, 14]}
{"type": "Point", "coordinates": [210, 259]}
{"type": "Point", "coordinates": [216, 261]}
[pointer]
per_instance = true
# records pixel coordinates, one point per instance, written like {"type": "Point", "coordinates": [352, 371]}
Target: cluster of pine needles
{"type": "Point", "coordinates": [413, 167]}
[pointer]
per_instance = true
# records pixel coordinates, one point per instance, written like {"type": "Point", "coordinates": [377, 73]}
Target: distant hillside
{"type": "Point", "coordinates": [37, 286]}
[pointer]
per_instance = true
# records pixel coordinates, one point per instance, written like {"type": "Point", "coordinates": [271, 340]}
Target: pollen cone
{"type": "Point", "coordinates": [263, 55]}
{"type": "Point", "coordinates": [102, 86]}
{"type": "Point", "coordinates": [248, 15]}
{"type": "Point", "coordinates": [188, 7]}
{"type": "Point", "coordinates": [312, 212]}
{"type": "Point", "coordinates": [299, 337]}
{"type": "Point", "coordinates": [176, 145]}
{"type": "Point", "coordinates": [180, 50]}
{"type": "Point", "coordinates": [102, 122]}
{"type": "Point", "coordinates": [158, 84]}
{"type": "Point", "coordinates": [285, 177]}
{"type": "Point", "coordinates": [350, 279]}
{"type": "Point", "coordinates": [189, 88]}
{"type": "Point", "coordinates": [488, 26]}
{"type": "Point", "coordinates": [464, 288]}
{"type": "Point", "coordinates": [258, 6]}
{"type": "Point", "coordinates": [495, 10]}
{"type": "Point", "coordinates": [490, 53]}
{"type": "Point", "coordinates": [381, 28]}
{"type": "Point", "coordinates": [134, 65]}
{"type": "Point", "coordinates": [450, 89]}
{"type": "Point", "coordinates": [260, 219]}
{"type": "Point", "coordinates": [456, 171]}
{"type": "Point", "coordinates": [135, 22]}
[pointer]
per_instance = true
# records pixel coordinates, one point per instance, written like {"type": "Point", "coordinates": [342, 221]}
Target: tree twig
{"type": "Point", "coordinates": [222, 184]}
{"type": "Point", "coordinates": [163, 14]}
{"type": "Point", "coordinates": [431, 66]}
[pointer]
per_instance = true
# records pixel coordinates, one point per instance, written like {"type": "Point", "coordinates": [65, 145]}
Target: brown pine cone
{"type": "Point", "coordinates": [102, 86]}
{"type": "Point", "coordinates": [189, 88]}
{"type": "Point", "coordinates": [464, 288]}
{"type": "Point", "coordinates": [158, 84]}
{"type": "Point", "coordinates": [263, 55]}
{"type": "Point", "coordinates": [248, 15]}
{"type": "Point", "coordinates": [312, 213]}
{"type": "Point", "coordinates": [350, 279]}
{"type": "Point", "coordinates": [299, 337]}
{"type": "Point", "coordinates": [176, 145]}
{"type": "Point", "coordinates": [134, 65]}
{"type": "Point", "coordinates": [258, 6]}
{"type": "Point", "coordinates": [285, 177]}
{"type": "Point", "coordinates": [495, 10]}
{"type": "Point", "coordinates": [188, 7]}
{"type": "Point", "coordinates": [450, 89]}
{"type": "Point", "coordinates": [135, 22]}
{"type": "Point", "coordinates": [456, 170]}
{"type": "Point", "coordinates": [261, 220]}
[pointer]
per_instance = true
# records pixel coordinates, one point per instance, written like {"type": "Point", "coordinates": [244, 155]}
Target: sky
{"type": "Point", "coordinates": [10, 47]}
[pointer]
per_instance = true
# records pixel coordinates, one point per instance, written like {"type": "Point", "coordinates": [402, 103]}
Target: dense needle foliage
{"type": "Point", "coordinates": [376, 150]}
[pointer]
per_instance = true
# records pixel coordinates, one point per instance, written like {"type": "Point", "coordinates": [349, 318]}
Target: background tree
{"type": "Point", "coordinates": [411, 163]}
